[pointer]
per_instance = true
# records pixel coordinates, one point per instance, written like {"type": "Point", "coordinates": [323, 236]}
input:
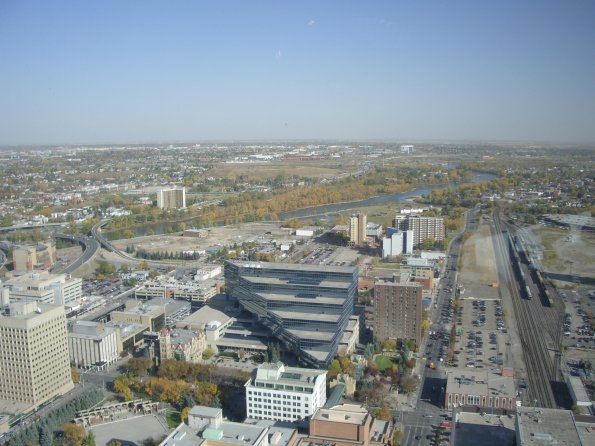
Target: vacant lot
{"type": "Point", "coordinates": [478, 263]}
{"type": "Point", "coordinates": [563, 249]}
{"type": "Point", "coordinates": [218, 236]}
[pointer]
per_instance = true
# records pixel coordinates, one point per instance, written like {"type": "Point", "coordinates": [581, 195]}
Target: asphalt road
{"type": "Point", "coordinates": [90, 250]}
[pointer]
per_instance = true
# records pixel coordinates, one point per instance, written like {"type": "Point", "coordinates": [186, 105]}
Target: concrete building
{"type": "Point", "coordinates": [34, 363]}
{"type": "Point", "coordinates": [196, 293]}
{"type": "Point", "coordinates": [357, 229]}
{"type": "Point", "coordinates": [539, 426]}
{"type": "Point", "coordinates": [407, 148]}
{"type": "Point", "coordinates": [408, 242]}
{"type": "Point", "coordinates": [422, 227]}
{"type": "Point", "coordinates": [392, 246]}
{"type": "Point", "coordinates": [92, 344]}
{"type": "Point", "coordinates": [43, 287]}
{"type": "Point", "coordinates": [397, 310]}
{"type": "Point", "coordinates": [577, 390]}
{"type": "Point", "coordinates": [206, 427]}
{"type": "Point", "coordinates": [305, 307]}
{"type": "Point", "coordinates": [151, 316]}
{"type": "Point", "coordinates": [347, 425]}
{"type": "Point", "coordinates": [174, 198]}
{"type": "Point", "coordinates": [40, 256]}
{"type": "Point", "coordinates": [277, 392]}
{"type": "Point", "coordinates": [479, 389]}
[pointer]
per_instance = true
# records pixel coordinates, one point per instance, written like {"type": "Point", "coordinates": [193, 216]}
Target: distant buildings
{"type": "Point", "coordinates": [423, 227]}
{"type": "Point", "coordinates": [277, 392]}
{"type": "Point", "coordinates": [34, 362]}
{"type": "Point", "coordinates": [43, 287]}
{"type": "Point", "coordinates": [171, 198]}
{"type": "Point", "coordinates": [397, 310]}
{"type": "Point", "coordinates": [357, 229]}
{"type": "Point", "coordinates": [196, 233]}
{"type": "Point", "coordinates": [305, 307]}
{"type": "Point", "coordinates": [407, 148]}
{"type": "Point", "coordinates": [92, 344]}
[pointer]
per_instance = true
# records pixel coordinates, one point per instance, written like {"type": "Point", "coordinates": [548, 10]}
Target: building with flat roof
{"type": "Point", "coordinates": [34, 362]}
{"type": "Point", "coordinates": [173, 198]}
{"type": "Point", "coordinates": [397, 309]}
{"type": "Point", "coordinates": [196, 293]}
{"type": "Point", "coordinates": [44, 287]}
{"type": "Point", "coordinates": [130, 335]}
{"type": "Point", "coordinates": [92, 344]}
{"type": "Point", "coordinates": [277, 392]}
{"type": "Point", "coordinates": [206, 427]}
{"type": "Point", "coordinates": [422, 227]}
{"type": "Point", "coordinates": [479, 389]}
{"type": "Point", "coordinates": [305, 307]}
{"type": "Point", "coordinates": [40, 256]}
{"type": "Point", "coordinates": [347, 425]}
{"type": "Point", "coordinates": [539, 426]}
{"type": "Point", "coordinates": [151, 316]}
{"type": "Point", "coordinates": [357, 229]}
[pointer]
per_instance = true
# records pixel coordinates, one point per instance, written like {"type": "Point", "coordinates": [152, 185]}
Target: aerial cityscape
{"type": "Point", "coordinates": [262, 224]}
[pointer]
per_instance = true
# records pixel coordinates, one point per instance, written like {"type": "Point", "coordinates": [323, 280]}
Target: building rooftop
{"type": "Point", "coordinates": [278, 372]}
{"type": "Point", "coordinates": [292, 267]}
{"type": "Point", "coordinates": [494, 430]}
{"type": "Point", "coordinates": [320, 316]}
{"type": "Point", "coordinates": [342, 413]}
{"type": "Point", "coordinates": [89, 329]}
{"type": "Point", "coordinates": [205, 316]}
{"type": "Point", "coordinates": [26, 311]}
{"type": "Point", "coordinates": [479, 383]}
{"type": "Point", "coordinates": [236, 434]}
{"type": "Point", "coordinates": [538, 426]}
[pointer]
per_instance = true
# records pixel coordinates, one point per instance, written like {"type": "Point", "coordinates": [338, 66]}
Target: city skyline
{"type": "Point", "coordinates": [140, 72]}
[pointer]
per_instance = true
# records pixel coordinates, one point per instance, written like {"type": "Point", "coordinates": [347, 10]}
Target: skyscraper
{"type": "Point", "coordinates": [34, 363]}
{"type": "Point", "coordinates": [171, 198]}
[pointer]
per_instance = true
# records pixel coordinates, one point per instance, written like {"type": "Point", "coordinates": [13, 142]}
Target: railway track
{"type": "Point", "coordinates": [538, 363]}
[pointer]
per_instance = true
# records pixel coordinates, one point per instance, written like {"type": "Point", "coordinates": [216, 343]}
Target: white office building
{"type": "Point", "coordinates": [92, 344]}
{"type": "Point", "coordinates": [43, 287]}
{"type": "Point", "coordinates": [280, 393]}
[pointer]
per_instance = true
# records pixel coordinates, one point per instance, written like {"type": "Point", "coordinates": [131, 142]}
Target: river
{"type": "Point", "coordinates": [325, 209]}
{"type": "Point", "coordinates": [322, 210]}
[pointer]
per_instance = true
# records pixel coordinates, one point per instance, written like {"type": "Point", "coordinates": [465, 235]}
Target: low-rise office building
{"type": "Point", "coordinates": [347, 425]}
{"type": "Point", "coordinates": [484, 390]}
{"type": "Point", "coordinates": [277, 392]}
{"type": "Point", "coordinates": [44, 287]}
{"type": "Point", "coordinates": [92, 344]}
{"type": "Point", "coordinates": [151, 316]}
{"type": "Point", "coordinates": [536, 425]}
{"type": "Point", "coordinates": [206, 427]}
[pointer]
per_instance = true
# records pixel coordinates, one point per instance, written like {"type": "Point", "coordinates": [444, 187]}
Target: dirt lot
{"type": "Point", "coordinates": [563, 246]}
{"type": "Point", "coordinates": [218, 236]}
{"type": "Point", "coordinates": [478, 263]}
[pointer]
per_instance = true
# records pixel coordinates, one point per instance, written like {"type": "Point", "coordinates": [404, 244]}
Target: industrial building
{"type": "Point", "coordinates": [305, 307]}
{"type": "Point", "coordinates": [35, 366]}
{"type": "Point", "coordinates": [174, 198]}
{"type": "Point", "coordinates": [277, 392]}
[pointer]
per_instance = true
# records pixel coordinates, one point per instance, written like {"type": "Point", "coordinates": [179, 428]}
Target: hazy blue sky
{"type": "Point", "coordinates": [136, 71]}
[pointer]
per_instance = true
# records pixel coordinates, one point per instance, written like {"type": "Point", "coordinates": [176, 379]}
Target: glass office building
{"type": "Point", "coordinates": [306, 307]}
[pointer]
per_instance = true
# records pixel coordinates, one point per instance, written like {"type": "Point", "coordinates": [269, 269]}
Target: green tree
{"type": "Point", "coordinates": [89, 439]}
{"type": "Point", "coordinates": [73, 434]}
{"type": "Point", "coordinates": [334, 369]}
